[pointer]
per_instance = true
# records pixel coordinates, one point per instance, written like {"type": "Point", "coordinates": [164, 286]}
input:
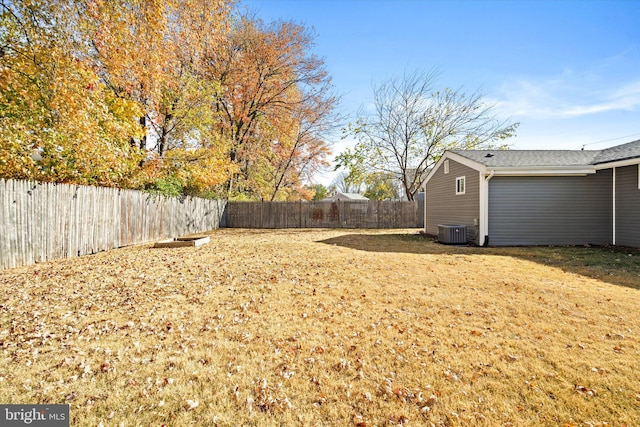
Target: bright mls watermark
{"type": "Point", "coordinates": [34, 415]}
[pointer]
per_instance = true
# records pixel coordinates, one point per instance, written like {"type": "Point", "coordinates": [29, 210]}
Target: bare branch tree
{"type": "Point", "coordinates": [344, 184]}
{"type": "Point", "coordinates": [412, 124]}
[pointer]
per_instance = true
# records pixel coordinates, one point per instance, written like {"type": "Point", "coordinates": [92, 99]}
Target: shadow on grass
{"type": "Point", "coordinates": [618, 266]}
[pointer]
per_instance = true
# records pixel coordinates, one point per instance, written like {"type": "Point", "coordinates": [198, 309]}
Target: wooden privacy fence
{"type": "Point", "coordinates": [45, 221]}
{"type": "Point", "coordinates": [341, 214]}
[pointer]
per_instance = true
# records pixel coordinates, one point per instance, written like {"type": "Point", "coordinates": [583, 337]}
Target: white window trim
{"type": "Point", "coordinates": [462, 179]}
{"type": "Point", "coordinates": [446, 166]}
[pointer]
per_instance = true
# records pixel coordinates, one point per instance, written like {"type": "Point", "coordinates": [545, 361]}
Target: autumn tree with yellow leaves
{"type": "Point", "coordinates": [276, 108]}
{"type": "Point", "coordinates": [142, 93]}
{"type": "Point", "coordinates": [58, 121]}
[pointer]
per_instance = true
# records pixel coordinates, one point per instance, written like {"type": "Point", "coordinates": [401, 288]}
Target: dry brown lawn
{"type": "Point", "coordinates": [327, 328]}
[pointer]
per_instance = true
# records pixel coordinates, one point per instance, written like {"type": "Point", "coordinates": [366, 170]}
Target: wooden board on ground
{"type": "Point", "coordinates": [182, 242]}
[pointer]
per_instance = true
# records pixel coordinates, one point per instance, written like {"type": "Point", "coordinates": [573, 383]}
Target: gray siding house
{"type": "Point", "coordinates": [538, 197]}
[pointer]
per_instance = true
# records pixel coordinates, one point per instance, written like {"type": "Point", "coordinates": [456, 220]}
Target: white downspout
{"type": "Point", "coordinates": [424, 214]}
{"type": "Point", "coordinates": [614, 207]}
{"type": "Point", "coordinates": [484, 209]}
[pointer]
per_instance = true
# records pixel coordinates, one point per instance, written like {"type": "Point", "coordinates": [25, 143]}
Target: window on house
{"type": "Point", "coordinates": [460, 185]}
{"type": "Point", "coordinates": [446, 166]}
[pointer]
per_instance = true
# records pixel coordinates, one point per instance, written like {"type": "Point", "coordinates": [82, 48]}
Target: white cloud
{"type": "Point", "coordinates": [626, 98]}
{"type": "Point", "coordinates": [567, 96]}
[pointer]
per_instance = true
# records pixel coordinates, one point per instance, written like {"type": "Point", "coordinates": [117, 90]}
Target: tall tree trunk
{"type": "Point", "coordinates": [143, 140]}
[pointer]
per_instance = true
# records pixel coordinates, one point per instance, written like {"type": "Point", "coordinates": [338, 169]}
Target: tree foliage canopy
{"type": "Point", "coordinates": [164, 95]}
{"type": "Point", "coordinates": [275, 109]}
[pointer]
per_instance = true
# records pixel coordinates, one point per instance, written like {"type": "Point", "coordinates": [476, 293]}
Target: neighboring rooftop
{"type": "Point", "coordinates": [346, 196]}
{"type": "Point", "coordinates": [626, 151]}
{"type": "Point", "coordinates": [525, 158]}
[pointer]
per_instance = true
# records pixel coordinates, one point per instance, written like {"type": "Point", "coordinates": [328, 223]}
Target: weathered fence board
{"type": "Point", "coordinates": [45, 221]}
{"type": "Point", "coordinates": [341, 214]}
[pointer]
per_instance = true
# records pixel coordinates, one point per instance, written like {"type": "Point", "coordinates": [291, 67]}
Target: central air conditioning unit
{"type": "Point", "coordinates": [452, 234]}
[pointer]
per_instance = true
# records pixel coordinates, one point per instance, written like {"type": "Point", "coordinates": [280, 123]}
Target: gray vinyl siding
{"type": "Point", "coordinates": [444, 206]}
{"type": "Point", "coordinates": [627, 207]}
{"type": "Point", "coordinates": [551, 210]}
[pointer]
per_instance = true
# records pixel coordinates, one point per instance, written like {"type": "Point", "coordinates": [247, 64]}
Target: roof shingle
{"type": "Point", "coordinates": [551, 158]}
{"type": "Point", "coordinates": [630, 150]}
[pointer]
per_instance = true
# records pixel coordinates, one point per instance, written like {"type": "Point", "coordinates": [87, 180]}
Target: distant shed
{"type": "Point", "coordinates": [347, 197]}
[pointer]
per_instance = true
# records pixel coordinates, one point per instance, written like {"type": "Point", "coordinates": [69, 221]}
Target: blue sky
{"type": "Point", "coordinates": [568, 71]}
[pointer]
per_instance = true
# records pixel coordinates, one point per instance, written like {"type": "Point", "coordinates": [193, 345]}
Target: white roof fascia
{"type": "Point", "coordinates": [579, 170]}
{"type": "Point", "coordinates": [456, 158]}
{"type": "Point", "coordinates": [618, 164]}
{"type": "Point", "coordinates": [467, 162]}
{"type": "Point", "coordinates": [434, 169]}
